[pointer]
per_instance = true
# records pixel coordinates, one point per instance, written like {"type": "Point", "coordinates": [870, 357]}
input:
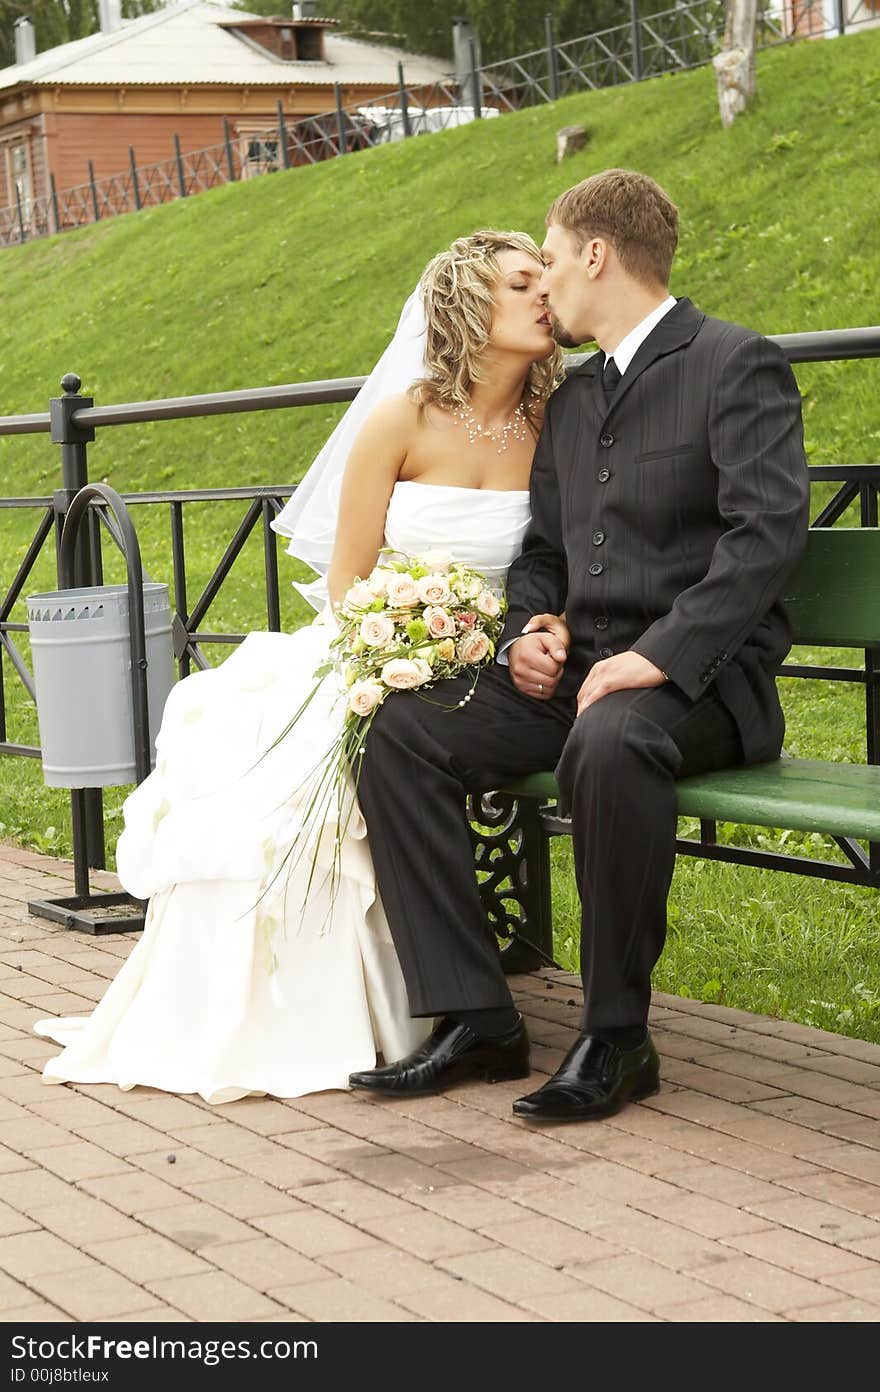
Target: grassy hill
{"type": "Point", "coordinates": [301, 276]}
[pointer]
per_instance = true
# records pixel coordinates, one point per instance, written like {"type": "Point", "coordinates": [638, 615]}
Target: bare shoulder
{"type": "Point", "coordinates": [397, 415]}
{"type": "Point", "coordinates": [384, 438]}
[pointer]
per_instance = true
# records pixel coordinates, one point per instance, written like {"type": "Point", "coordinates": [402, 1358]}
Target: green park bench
{"type": "Point", "coordinates": [833, 600]}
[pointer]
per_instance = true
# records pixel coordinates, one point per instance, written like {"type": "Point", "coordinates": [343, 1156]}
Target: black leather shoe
{"type": "Point", "coordinates": [595, 1079]}
{"type": "Point", "coordinates": [451, 1054]}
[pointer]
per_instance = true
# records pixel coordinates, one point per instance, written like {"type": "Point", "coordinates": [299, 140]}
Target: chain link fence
{"type": "Point", "coordinates": [684, 36]}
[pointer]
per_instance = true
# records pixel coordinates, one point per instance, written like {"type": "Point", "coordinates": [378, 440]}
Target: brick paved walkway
{"type": "Point", "coordinates": [748, 1189]}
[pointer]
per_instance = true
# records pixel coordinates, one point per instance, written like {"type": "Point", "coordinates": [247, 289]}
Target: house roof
{"type": "Point", "coordinates": [188, 43]}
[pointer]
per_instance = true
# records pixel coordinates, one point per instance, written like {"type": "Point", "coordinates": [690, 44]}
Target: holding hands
{"type": "Point", "coordinates": [537, 661]}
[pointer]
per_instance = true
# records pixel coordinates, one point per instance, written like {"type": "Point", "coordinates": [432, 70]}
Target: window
{"type": "Point", "coordinates": [20, 168]}
{"type": "Point", "coordinates": [260, 152]}
{"type": "Point", "coordinates": [310, 45]}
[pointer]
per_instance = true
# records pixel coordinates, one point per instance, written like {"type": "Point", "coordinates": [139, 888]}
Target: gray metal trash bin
{"type": "Point", "coordinates": [82, 672]}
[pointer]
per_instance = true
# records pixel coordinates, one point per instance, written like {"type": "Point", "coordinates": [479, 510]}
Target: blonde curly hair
{"type": "Point", "coordinates": [458, 291]}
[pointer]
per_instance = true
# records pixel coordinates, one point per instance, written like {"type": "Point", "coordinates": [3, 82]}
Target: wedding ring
{"type": "Point", "coordinates": [540, 686]}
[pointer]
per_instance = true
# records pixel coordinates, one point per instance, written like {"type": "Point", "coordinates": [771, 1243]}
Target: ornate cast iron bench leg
{"type": "Point", "coordinates": [512, 860]}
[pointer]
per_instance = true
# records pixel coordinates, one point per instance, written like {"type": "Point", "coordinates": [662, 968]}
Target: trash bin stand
{"type": "Point", "coordinates": [83, 910]}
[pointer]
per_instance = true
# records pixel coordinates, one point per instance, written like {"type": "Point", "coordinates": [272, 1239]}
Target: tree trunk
{"type": "Point", "coordinates": [735, 64]}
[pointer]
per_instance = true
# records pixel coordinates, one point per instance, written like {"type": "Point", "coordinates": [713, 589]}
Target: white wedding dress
{"type": "Point", "coordinates": [239, 984]}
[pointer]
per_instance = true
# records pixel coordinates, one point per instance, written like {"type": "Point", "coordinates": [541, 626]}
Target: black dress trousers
{"type": "Point", "coordinates": [616, 766]}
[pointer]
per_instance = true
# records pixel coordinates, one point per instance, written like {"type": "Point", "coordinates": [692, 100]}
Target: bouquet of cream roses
{"type": "Point", "coordinates": [411, 623]}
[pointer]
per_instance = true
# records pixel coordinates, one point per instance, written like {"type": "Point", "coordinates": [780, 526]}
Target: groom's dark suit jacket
{"type": "Point", "coordinates": [667, 518]}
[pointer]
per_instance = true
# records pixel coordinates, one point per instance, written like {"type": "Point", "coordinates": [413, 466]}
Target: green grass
{"type": "Point", "coordinates": [796, 948]}
{"type": "Point", "coordinates": [302, 275]}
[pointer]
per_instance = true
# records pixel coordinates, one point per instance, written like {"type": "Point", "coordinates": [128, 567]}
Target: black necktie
{"type": "Point", "coordinates": [611, 376]}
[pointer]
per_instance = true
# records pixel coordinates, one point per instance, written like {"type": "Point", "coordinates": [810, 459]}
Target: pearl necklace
{"type": "Point", "coordinates": [516, 428]}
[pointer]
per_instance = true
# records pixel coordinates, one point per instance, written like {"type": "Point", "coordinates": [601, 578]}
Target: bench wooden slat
{"type": "Point", "coordinates": [801, 794]}
{"type": "Point", "coordinates": [833, 598]}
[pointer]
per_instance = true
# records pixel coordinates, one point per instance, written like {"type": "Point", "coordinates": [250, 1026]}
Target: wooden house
{"type": "Point", "coordinates": [137, 84]}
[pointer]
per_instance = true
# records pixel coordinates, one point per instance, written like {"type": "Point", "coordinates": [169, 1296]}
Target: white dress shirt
{"type": "Point", "coordinates": [623, 355]}
{"type": "Point", "coordinates": [628, 347]}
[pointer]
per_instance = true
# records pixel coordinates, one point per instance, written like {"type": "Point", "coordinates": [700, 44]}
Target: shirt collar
{"type": "Point", "coordinates": [629, 346]}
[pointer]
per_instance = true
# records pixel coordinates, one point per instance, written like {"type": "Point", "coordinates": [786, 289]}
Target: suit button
{"type": "Point", "coordinates": [606, 440]}
{"type": "Point", "coordinates": [596, 568]}
{"type": "Point", "coordinates": [603, 475]}
{"type": "Point", "coordinates": [606, 652]}
{"type": "Point", "coordinates": [598, 538]}
{"type": "Point", "coordinates": [600, 623]}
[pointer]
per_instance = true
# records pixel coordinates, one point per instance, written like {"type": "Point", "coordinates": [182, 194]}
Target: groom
{"type": "Point", "coordinates": [669, 498]}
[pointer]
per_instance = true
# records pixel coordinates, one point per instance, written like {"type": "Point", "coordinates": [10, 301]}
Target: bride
{"type": "Point", "coordinates": [242, 983]}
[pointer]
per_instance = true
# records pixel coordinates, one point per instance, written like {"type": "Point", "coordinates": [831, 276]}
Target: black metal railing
{"type": "Point", "coordinates": [687, 35]}
{"type": "Point", "coordinates": [72, 422]}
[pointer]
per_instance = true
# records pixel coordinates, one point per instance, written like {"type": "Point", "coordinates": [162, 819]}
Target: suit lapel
{"type": "Point", "coordinates": [675, 330]}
